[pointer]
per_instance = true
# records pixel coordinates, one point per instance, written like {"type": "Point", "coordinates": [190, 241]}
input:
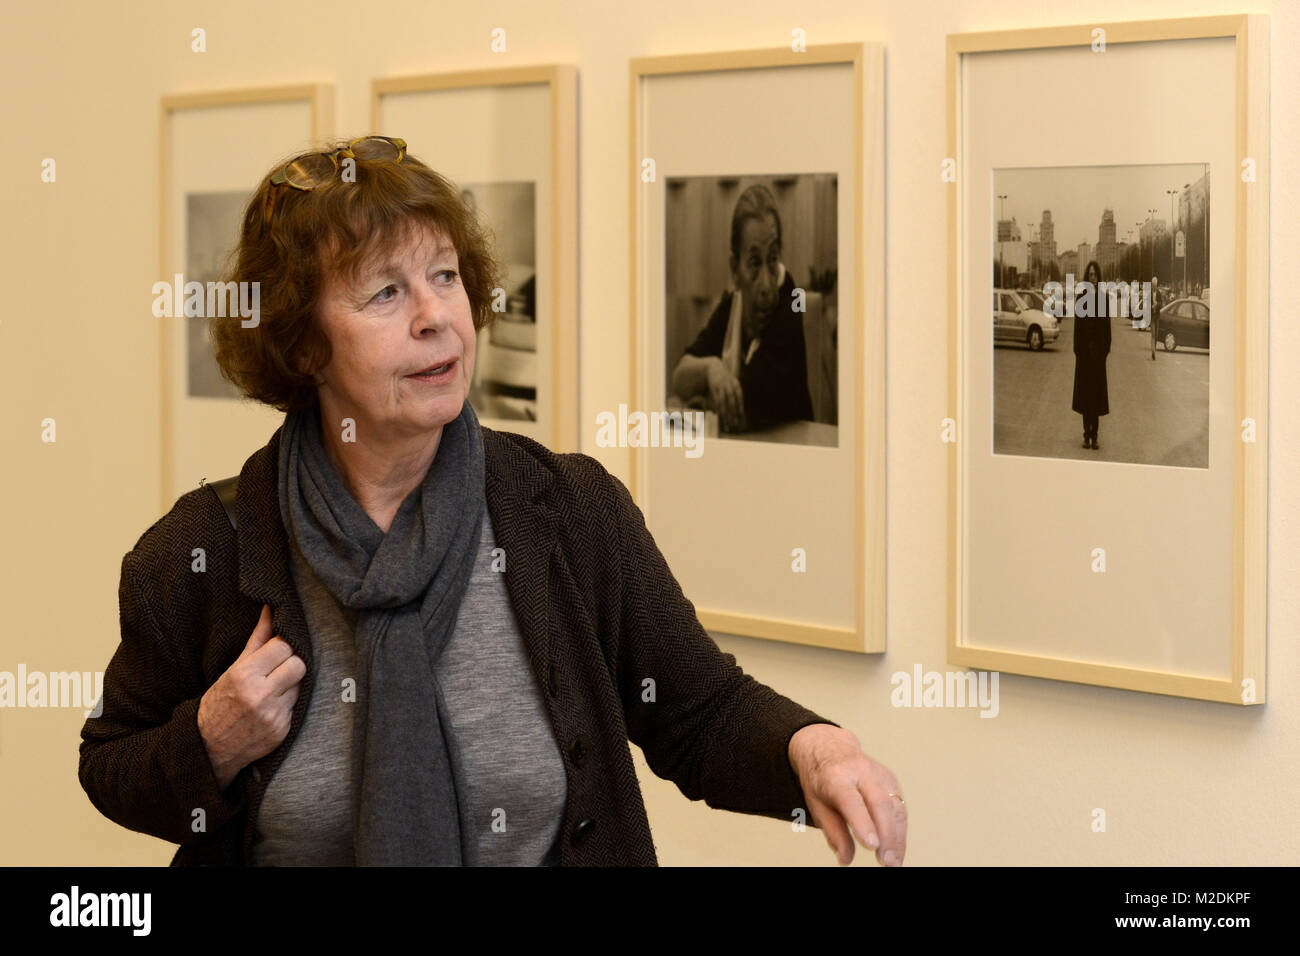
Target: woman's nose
{"type": "Point", "coordinates": [431, 310]}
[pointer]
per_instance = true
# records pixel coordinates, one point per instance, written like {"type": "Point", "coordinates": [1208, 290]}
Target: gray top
{"type": "Point", "coordinates": [514, 772]}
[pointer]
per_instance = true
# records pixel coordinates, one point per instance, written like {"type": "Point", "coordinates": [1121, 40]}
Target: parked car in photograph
{"type": "Point", "coordinates": [1032, 298]}
{"type": "Point", "coordinates": [1184, 322]}
{"type": "Point", "coordinates": [1036, 299]}
{"type": "Point", "coordinates": [1015, 320]}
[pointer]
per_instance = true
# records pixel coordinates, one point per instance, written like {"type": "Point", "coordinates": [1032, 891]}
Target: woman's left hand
{"type": "Point", "coordinates": [849, 794]}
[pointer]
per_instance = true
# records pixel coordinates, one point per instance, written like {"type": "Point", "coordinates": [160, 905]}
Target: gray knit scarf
{"type": "Point", "coordinates": [407, 587]}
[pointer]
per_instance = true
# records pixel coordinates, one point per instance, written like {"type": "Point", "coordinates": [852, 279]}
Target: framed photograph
{"type": "Point", "coordinates": [1108, 463]}
{"type": "Point", "coordinates": [514, 157]}
{"type": "Point", "coordinates": [757, 419]}
{"type": "Point", "coordinates": [207, 429]}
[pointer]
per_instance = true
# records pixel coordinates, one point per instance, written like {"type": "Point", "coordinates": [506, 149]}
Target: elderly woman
{"type": "Point", "coordinates": [422, 641]}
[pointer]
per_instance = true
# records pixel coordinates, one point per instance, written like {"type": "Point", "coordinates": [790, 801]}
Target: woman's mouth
{"type": "Point", "coordinates": [437, 374]}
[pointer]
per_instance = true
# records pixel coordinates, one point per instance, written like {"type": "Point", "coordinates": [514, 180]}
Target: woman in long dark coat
{"type": "Point", "coordinates": [1091, 346]}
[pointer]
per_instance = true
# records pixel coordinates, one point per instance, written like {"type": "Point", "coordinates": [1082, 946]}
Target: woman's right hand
{"type": "Point", "coordinates": [726, 397]}
{"type": "Point", "coordinates": [246, 713]}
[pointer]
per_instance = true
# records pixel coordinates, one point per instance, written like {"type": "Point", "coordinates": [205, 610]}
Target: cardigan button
{"type": "Point", "coordinates": [582, 831]}
{"type": "Point", "coordinates": [578, 751]}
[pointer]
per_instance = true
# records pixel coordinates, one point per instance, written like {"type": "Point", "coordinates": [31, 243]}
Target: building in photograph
{"type": "Point", "coordinates": [1044, 249]}
{"type": "Point", "coordinates": [1015, 255]}
{"type": "Point", "coordinates": [1108, 250]}
{"type": "Point", "coordinates": [1068, 263]}
{"type": "Point", "coordinates": [1194, 221]}
{"type": "Point", "coordinates": [1153, 230]}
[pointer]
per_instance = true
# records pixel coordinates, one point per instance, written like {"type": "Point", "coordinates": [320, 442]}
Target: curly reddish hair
{"type": "Point", "coordinates": [338, 228]}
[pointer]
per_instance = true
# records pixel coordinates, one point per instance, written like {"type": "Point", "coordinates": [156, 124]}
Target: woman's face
{"type": "Point", "coordinates": [400, 317]}
{"type": "Point", "coordinates": [1092, 275]}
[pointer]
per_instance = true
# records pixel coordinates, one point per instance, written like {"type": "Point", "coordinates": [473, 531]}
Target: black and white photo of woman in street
{"type": "Point", "coordinates": [1091, 346]}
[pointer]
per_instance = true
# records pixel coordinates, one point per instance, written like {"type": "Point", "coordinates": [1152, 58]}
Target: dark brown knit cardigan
{"type": "Point", "coordinates": [599, 610]}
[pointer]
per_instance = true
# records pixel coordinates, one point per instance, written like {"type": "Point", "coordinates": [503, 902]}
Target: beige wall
{"type": "Point", "coordinates": [1182, 781]}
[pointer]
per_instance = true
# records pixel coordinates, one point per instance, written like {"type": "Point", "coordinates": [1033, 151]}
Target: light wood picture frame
{"type": "Point", "coordinates": [1086, 566]}
{"type": "Point", "coordinates": [515, 153]}
{"type": "Point", "coordinates": [779, 532]}
{"type": "Point", "coordinates": [207, 430]}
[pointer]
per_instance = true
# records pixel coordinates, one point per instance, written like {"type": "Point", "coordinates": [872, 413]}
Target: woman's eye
{"type": "Point", "coordinates": [450, 273]}
{"type": "Point", "coordinates": [381, 293]}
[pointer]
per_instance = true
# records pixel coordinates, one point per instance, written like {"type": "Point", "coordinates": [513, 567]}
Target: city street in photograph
{"type": "Point", "coordinates": [1135, 358]}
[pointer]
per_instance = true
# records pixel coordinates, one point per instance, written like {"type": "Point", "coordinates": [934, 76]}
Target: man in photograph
{"type": "Point", "coordinates": [748, 363]}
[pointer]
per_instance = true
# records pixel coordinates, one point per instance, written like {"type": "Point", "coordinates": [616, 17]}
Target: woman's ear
{"type": "Point", "coordinates": [306, 365]}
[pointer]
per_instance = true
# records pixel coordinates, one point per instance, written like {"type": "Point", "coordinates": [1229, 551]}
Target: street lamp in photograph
{"type": "Point", "coordinates": [1205, 230]}
{"type": "Point", "coordinates": [1173, 228]}
{"type": "Point", "coordinates": [1002, 215]}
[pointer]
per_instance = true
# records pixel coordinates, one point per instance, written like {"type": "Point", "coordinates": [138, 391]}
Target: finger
{"type": "Point", "coordinates": [722, 405]}
{"type": "Point", "coordinates": [852, 808]}
{"type": "Point", "coordinates": [900, 818]}
{"type": "Point", "coordinates": [900, 815]}
{"type": "Point", "coordinates": [287, 675]}
{"type": "Point", "coordinates": [719, 403]}
{"type": "Point", "coordinates": [724, 408]}
{"type": "Point", "coordinates": [882, 807]}
{"type": "Point", "coordinates": [270, 656]}
{"type": "Point", "coordinates": [261, 632]}
{"type": "Point", "coordinates": [737, 398]}
{"type": "Point", "coordinates": [833, 827]}
{"type": "Point", "coordinates": [720, 408]}
{"type": "Point", "coordinates": [728, 403]}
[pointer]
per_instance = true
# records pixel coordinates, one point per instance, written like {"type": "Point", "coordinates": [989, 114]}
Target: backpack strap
{"type": "Point", "coordinates": [225, 490]}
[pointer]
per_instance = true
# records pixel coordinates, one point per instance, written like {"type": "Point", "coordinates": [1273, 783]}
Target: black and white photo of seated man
{"type": "Point", "coordinates": [749, 363]}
